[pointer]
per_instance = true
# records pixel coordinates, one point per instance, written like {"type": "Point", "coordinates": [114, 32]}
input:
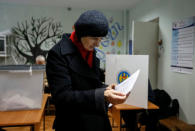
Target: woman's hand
{"type": "Point", "coordinates": [112, 86]}
{"type": "Point", "coordinates": [113, 96]}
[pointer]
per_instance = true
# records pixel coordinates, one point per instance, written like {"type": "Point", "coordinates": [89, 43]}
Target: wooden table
{"type": "Point", "coordinates": [24, 117]}
{"type": "Point", "coordinates": [116, 110]}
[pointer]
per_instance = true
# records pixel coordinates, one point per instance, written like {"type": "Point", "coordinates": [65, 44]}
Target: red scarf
{"type": "Point", "coordinates": [87, 55]}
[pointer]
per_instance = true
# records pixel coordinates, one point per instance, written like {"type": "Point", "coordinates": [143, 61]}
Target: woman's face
{"type": "Point", "coordinates": [89, 43]}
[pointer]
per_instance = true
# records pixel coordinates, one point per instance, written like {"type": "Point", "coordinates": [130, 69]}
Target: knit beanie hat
{"type": "Point", "coordinates": [91, 23]}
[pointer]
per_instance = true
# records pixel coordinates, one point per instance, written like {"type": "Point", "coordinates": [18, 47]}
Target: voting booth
{"type": "Point", "coordinates": [21, 87]}
{"type": "Point", "coordinates": [120, 67]}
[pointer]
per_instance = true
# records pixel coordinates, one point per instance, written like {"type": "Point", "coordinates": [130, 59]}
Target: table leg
{"type": "Point", "coordinates": [37, 127]}
{"type": "Point", "coordinates": [120, 121]}
{"type": "Point", "coordinates": [32, 128]}
{"type": "Point", "coordinates": [44, 121]}
{"type": "Point", "coordinates": [116, 115]}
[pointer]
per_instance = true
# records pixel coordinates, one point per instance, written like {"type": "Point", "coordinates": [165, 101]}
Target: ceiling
{"type": "Point", "coordinates": [89, 4]}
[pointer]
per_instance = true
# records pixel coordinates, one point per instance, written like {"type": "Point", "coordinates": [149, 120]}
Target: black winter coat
{"type": "Point", "coordinates": [76, 89]}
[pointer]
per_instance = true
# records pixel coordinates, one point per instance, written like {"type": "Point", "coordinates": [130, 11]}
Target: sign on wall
{"type": "Point", "coordinates": [183, 32]}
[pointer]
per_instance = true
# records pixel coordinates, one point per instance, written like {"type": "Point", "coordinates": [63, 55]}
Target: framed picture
{"type": "Point", "coordinates": [2, 45]}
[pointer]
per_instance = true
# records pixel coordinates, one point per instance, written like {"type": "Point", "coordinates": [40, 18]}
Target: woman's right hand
{"type": "Point", "coordinates": [113, 96]}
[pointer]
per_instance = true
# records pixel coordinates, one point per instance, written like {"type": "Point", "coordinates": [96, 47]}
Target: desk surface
{"type": "Point", "coordinates": [24, 117]}
{"type": "Point", "coordinates": [129, 107]}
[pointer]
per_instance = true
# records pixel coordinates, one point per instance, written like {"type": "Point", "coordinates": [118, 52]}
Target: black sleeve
{"type": "Point", "coordinates": [61, 88]}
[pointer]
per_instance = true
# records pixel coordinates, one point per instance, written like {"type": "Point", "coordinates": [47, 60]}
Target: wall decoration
{"type": "Point", "coordinates": [100, 47]}
{"type": "Point", "coordinates": [119, 44]}
{"type": "Point", "coordinates": [113, 32]}
{"type": "Point", "coordinates": [110, 19]}
{"type": "Point", "coordinates": [112, 44]}
{"type": "Point", "coordinates": [113, 51]}
{"type": "Point", "coordinates": [35, 37]}
{"type": "Point", "coordinates": [119, 27]}
{"type": "Point", "coordinates": [100, 54]}
{"type": "Point", "coordinates": [105, 42]}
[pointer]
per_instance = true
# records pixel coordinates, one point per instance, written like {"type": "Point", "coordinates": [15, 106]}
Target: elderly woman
{"type": "Point", "coordinates": [73, 73]}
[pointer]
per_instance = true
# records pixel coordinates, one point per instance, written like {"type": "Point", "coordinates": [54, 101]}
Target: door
{"type": "Point", "coordinates": [145, 38]}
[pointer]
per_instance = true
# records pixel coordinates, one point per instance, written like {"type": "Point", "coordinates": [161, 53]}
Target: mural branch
{"type": "Point", "coordinates": [36, 37]}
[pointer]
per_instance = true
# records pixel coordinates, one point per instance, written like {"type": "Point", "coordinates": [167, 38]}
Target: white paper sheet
{"type": "Point", "coordinates": [127, 85]}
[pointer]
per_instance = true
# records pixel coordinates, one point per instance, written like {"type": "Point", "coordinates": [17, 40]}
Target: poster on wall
{"type": "Point", "coordinates": [183, 32]}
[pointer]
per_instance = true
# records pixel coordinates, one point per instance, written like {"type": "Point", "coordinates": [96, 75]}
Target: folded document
{"type": "Point", "coordinates": [127, 85]}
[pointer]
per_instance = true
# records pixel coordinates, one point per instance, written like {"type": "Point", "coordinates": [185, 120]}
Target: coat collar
{"type": "Point", "coordinates": [81, 67]}
{"type": "Point", "coordinates": [67, 47]}
{"type": "Point", "coordinates": [77, 63]}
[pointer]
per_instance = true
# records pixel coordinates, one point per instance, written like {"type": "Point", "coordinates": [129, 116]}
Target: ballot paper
{"type": "Point", "coordinates": [127, 85]}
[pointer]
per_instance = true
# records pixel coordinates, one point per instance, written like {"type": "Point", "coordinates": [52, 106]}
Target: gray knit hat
{"type": "Point", "coordinates": [91, 23]}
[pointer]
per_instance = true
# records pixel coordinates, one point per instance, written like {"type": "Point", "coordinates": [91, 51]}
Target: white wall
{"type": "Point", "coordinates": [180, 86]}
{"type": "Point", "coordinates": [10, 14]}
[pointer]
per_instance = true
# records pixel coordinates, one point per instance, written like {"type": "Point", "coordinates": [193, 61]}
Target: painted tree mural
{"type": "Point", "coordinates": [35, 37]}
